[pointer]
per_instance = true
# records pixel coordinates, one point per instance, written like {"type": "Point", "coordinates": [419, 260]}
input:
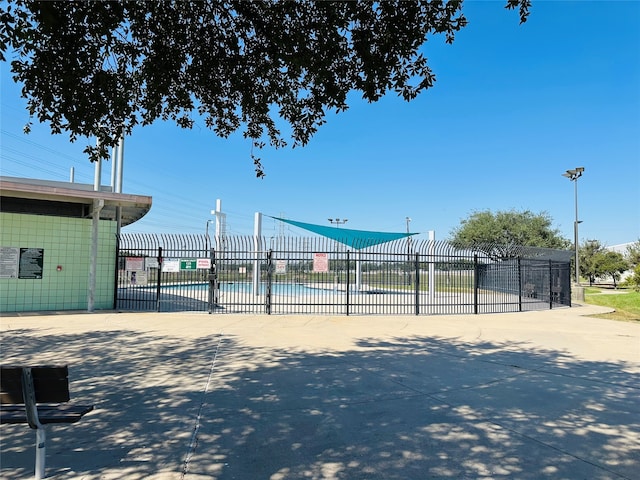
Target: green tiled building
{"type": "Point", "coordinates": [46, 236]}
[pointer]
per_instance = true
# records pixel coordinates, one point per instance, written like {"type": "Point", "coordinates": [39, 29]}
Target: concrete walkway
{"type": "Point", "coordinates": [537, 395]}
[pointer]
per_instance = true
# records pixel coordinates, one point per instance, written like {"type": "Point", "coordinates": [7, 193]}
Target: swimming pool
{"type": "Point", "coordinates": [276, 288]}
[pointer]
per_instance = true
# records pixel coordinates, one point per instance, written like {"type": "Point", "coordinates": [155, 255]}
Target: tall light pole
{"type": "Point", "coordinates": [574, 175]}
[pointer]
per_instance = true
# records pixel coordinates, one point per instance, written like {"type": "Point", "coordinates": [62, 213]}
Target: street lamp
{"type": "Point", "coordinates": [207, 228]}
{"type": "Point", "coordinates": [206, 233]}
{"type": "Point", "coordinates": [574, 175]}
{"type": "Point", "coordinates": [337, 222]}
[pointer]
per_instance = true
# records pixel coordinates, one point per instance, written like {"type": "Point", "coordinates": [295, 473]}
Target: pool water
{"type": "Point", "coordinates": [276, 288]}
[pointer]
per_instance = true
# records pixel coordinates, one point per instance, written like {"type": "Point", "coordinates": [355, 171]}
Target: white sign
{"type": "Point", "coordinates": [137, 277]}
{"type": "Point", "coordinates": [203, 263]}
{"type": "Point", "coordinates": [320, 262]}
{"type": "Point", "coordinates": [142, 278]}
{"type": "Point", "coordinates": [170, 265]}
{"type": "Point", "coordinates": [9, 258]}
{"type": "Point", "coordinates": [134, 263]}
{"type": "Point", "coordinates": [151, 262]}
{"type": "Point", "coordinates": [281, 266]}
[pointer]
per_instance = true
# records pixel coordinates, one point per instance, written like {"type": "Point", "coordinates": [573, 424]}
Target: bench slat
{"type": "Point", "coordinates": [51, 384]}
{"type": "Point", "coordinates": [46, 413]}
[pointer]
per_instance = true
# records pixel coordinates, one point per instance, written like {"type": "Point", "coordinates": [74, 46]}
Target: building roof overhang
{"type": "Point", "coordinates": [45, 197]}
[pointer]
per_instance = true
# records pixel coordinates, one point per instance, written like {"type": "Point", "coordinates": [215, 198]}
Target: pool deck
{"type": "Point", "coordinates": [550, 394]}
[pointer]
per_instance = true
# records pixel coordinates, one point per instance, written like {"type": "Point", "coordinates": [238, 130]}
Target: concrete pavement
{"type": "Point", "coordinates": [551, 394]}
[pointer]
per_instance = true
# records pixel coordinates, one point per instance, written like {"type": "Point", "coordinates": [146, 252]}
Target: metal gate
{"type": "Point", "coordinates": [294, 275]}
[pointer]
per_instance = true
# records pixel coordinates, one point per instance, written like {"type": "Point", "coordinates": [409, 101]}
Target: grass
{"type": "Point", "coordinates": [626, 303]}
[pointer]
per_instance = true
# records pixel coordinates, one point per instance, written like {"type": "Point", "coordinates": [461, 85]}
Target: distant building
{"type": "Point", "coordinates": [47, 231]}
{"type": "Point", "coordinates": [620, 248]}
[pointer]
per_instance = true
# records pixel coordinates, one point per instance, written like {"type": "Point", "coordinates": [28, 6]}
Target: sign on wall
{"type": "Point", "coordinates": [26, 263]}
{"type": "Point", "coordinates": [31, 263]}
{"type": "Point", "coordinates": [9, 259]}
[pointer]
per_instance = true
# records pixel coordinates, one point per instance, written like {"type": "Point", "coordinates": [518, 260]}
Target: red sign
{"type": "Point", "coordinates": [320, 262]}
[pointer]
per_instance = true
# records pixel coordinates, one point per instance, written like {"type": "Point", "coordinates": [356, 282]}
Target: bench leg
{"type": "Point", "coordinates": [41, 438]}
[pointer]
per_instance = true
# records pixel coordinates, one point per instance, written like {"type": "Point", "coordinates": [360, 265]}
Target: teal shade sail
{"type": "Point", "coordinates": [356, 239]}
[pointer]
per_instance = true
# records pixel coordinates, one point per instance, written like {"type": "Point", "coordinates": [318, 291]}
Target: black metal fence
{"type": "Point", "coordinates": [294, 275]}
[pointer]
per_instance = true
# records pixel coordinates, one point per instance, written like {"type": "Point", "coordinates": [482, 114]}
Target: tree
{"type": "Point", "coordinates": [499, 234]}
{"type": "Point", "coordinates": [588, 253]}
{"type": "Point", "coordinates": [633, 258]}
{"type": "Point", "coordinates": [101, 68]}
{"type": "Point", "coordinates": [634, 280]}
{"type": "Point", "coordinates": [598, 262]}
{"type": "Point", "coordinates": [611, 264]}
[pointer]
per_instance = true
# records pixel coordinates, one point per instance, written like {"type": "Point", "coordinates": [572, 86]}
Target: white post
{"type": "Point", "coordinates": [432, 266]}
{"type": "Point", "coordinates": [98, 204]}
{"type": "Point", "coordinates": [218, 214]}
{"type": "Point", "coordinates": [120, 161]}
{"type": "Point", "coordinates": [257, 235]}
{"type": "Point", "coordinates": [221, 220]}
{"type": "Point", "coordinates": [72, 175]}
{"type": "Point", "coordinates": [114, 171]}
{"type": "Point", "coordinates": [97, 173]}
{"type": "Point", "coordinates": [41, 438]}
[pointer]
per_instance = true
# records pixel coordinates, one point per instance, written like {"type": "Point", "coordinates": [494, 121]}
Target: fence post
{"type": "Point", "coordinates": [550, 286]}
{"type": "Point", "coordinates": [159, 278]}
{"type": "Point", "coordinates": [519, 285]}
{"type": "Point", "coordinates": [267, 297]}
{"type": "Point", "coordinates": [475, 283]}
{"type": "Point", "coordinates": [566, 280]}
{"type": "Point", "coordinates": [117, 275]}
{"type": "Point", "coordinates": [213, 284]}
{"type": "Point", "coordinates": [417, 283]}
{"type": "Point", "coordinates": [348, 281]}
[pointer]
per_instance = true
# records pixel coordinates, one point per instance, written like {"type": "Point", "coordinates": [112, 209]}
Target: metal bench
{"type": "Point", "coordinates": [37, 396]}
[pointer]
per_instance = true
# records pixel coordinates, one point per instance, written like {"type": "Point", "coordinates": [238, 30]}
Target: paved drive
{"type": "Point", "coordinates": [537, 395]}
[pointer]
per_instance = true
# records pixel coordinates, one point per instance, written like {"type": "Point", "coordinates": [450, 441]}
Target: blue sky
{"type": "Point", "coordinates": [513, 107]}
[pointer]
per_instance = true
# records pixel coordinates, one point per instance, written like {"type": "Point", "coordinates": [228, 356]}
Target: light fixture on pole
{"type": "Point", "coordinates": [574, 175]}
{"type": "Point", "coordinates": [207, 228]}
{"type": "Point", "coordinates": [337, 222]}
{"type": "Point", "coordinates": [206, 233]}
